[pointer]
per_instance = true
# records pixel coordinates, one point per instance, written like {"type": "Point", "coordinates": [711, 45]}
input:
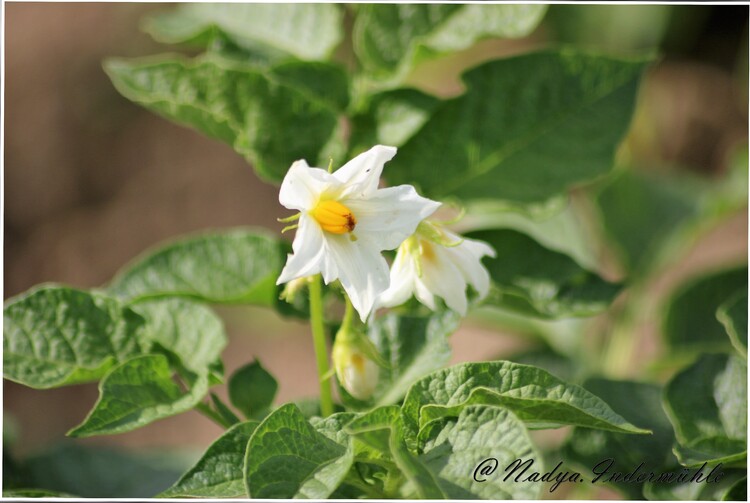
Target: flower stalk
{"type": "Point", "coordinates": [319, 343]}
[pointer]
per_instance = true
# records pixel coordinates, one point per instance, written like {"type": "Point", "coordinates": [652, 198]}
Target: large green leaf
{"type": "Point", "coordinates": [733, 315]}
{"type": "Point", "coordinates": [239, 265]}
{"type": "Point", "coordinates": [588, 447]}
{"type": "Point", "coordinates": [287, 457]}
{"type": "Point", "coordinates": [412, 346]}
{"type": "Point", "coordinates": [271, 121]}
{"type": "Point", "coordinates": [136, 393]}
{"type": "Point", "coordinates": [187, 329]}
{"type": "Point", "coordinates": [535, 280]}
{"type": "Point", "coordinates": [707, 405]}
{"type": "Point", "coordinates": [526, 129]}
{"type": "Point", "coordinates": [218, 473]}
{"type": "Point", "coordinates": [56, 335]}
{"type": "Point", "coordinates": [252, 390]}
{"type": "Point", "coordinates": [306, 31]}
{"type": "Point", "coordinates": [718, 485]}
{"type": "Point", "coordinates": [391, 39]}
{"type": "Point", "coordinates": [454, 449]}
{"type": "Point", "coordinates": [532, 394]}
{"type": "Point", "coordinates": [690, 322]}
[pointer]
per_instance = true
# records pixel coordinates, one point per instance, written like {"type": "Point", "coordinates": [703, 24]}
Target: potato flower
{"type": "Point", "coordinates": [346, 221]}
{"type": "Point", "coordinates": [437, 262]}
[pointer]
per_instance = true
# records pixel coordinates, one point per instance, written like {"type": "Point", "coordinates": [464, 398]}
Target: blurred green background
{"type": "Point", "coordinates": [91, 180]}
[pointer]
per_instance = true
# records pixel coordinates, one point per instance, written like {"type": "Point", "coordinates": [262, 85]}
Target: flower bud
{"type": "Point", "coordinates": [357, 373]}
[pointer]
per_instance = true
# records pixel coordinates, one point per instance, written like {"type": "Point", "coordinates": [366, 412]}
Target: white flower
{"type": "Point", "coordinates": [436, 262]}
{"type": "Point", "coordinates": [345, 222]}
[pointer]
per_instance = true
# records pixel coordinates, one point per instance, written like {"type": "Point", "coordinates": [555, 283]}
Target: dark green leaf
{"type": "Point", "coordinates": [707, 405]}
{"type": "Point", "coordinates": [526, 129]}
{"type": "Point", "coordinates": [690, 322]}
{"type": "Point", "coordinates": [268, 121]}
{"type": "Point", "coordinates": [412, 347]}
{"type": "Point", "coordinates": [533, 395]}
{"type": "Point", "coordinates": [238, 265]}
{"type": "Point", "coordinates": [453, 449]}
{"type": "Point", "coordinates": [187, 329]}
{"type": "Point", "coordinates": [136, 393]}
{"type": "Point", "coordinates": [306, 31]}
{"type": "Point", "coordinates": [287, 457]}
{"type": "Point", "coordinates": [535, 280]}
{"type": "Point", "coordinates": [218, 474]}
{"type": "Point", "coordinates": [588, 447]}
{"type": "Point", "coordinates": [103, 472]}
{"type": "Point", "coordinates": [738, 491]}
{"type": "Point", "coordinates": [54, 336]}
{"type": "Point", "coordinates": [733, 315]}
{"type": "Point", "coordinates": [391, 39]}
{"type": "Point", "coordinates": [252, 390]}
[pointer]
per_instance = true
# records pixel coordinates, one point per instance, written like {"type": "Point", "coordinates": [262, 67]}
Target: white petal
{"type": "Point", "coordinates": [309, 251]}
{"type": "Point", "coordinates": [362, 174]}
{"type": "Point", "coordinates": [362, 270]}
{"type": "Point", "coordinates": [303, 185]}
{"type": "Point", "coordinates": [443, 278]}
{"type": "Point", "coordinates": [389, 216]}
{"type": "Point", "coordinates": [403, 274]}
{"type": "Point", "coordinates": [468, 258]}
{"type": "Point", "coordinates": [423, 294]}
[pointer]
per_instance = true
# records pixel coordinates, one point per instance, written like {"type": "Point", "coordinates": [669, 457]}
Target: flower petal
{"type": "Point", "coordinates": [362, 270]}
{"type": "Point", "coordinates": [362, 174]}
{"type": "Point", "coordinates": [403, 274]}
{"type": "Point", "coordinates": [309, 251]}
{"type": "Point", "coordinates": [389, 216]}
{"type": "Point", "coordinates": [303, 185]}
{"type": "Point", "coordinates": [444, 279]}
{"type": "Point", "coordinates": [468, 258]}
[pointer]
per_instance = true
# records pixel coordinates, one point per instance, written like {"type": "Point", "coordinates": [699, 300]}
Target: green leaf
{"type": "Point", "coordinates": [287, 457]}
{"type": "Point", "coordinates": [588, 447]}
{"type": "Point", "coordinates": [218, 473]}
{"type": "Point", "coordinates": [306, 31]}
{"type": "Point", "coordinates": [391, 118]}
{"type": "Point", "coordinates": [690, 322]}
{"type": "Point", "coordinates": [673, 489]}
{"type": "Point", "coordinates": [235, 266]}
{"type": "Point", "coordinates": [252, 390]}
{"type": "Point", "coordinates": [391, 39]}
{"type": "Point", "coordinates": [533, 395]}
{"type": "Point", "coordinates": [54, 336]}
{"type": "Point", "coordinates": [534, 280]}
{"type": "Point", "coordinates": [733, 315]}
{"type": "Point", "coordinates": [187, 329]}
{"type": "Point", "coordinates": [271, 122]}
{"type": "Point", "coordinates": [103, 472]}
{"type": "Point", "coordinates": [738, 491]}
{"type": "Point", "coordinates": [707, 405]}
{"type": "Point", "coordinates": [527, 129]}
{"type": "Point", "coordinates": [454, 448]}
{"type": "Point", "coordinates": [687, 205]}
{"type": "Point", "coordinates": [412, 346]}
{"type": "Point", "coordinates": [136, 393]}
{"type": "Point", "coordinates": [35, 493]}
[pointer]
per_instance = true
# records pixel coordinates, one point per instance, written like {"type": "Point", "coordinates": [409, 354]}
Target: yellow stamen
{"type": "Point", "coordinates": [334, 217]}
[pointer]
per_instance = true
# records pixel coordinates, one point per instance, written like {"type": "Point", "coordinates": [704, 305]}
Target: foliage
{"type": "Point", "coordinates": [525, 133]}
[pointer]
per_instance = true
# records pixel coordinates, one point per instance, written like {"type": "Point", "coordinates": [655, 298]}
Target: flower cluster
{"type": "Point", "coordinates": [346, 221]}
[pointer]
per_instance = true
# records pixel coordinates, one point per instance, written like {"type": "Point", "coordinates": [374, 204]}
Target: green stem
{"type": "Point", "coordinates": [345, 331]}
{"type": "Point", "coordinates": [319, 342]}
{"type": "Point", "coordinates": [212, 415]}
